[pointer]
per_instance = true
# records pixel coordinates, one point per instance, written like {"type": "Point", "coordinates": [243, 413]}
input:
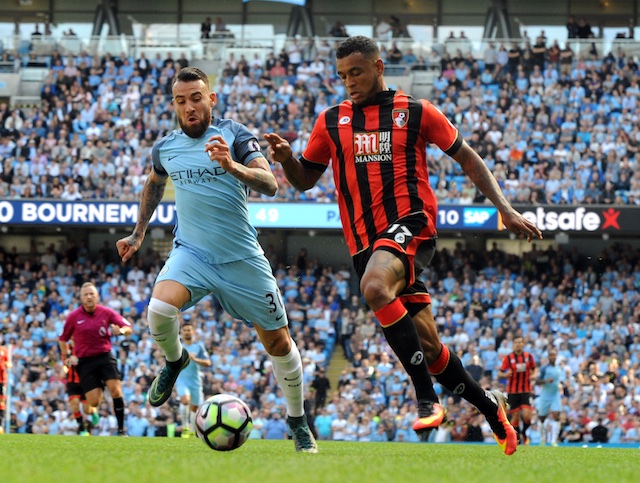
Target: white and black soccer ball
{"type": "Point", "coordinates": [224, 422]}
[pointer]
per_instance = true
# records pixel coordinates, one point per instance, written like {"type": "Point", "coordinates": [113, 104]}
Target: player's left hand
{"type": "Point", "coordinates": [520, 226]}
{"type": "Point", "coordinates": [116, 329]}
{"type": "Point", "coordinates": [218, 150]}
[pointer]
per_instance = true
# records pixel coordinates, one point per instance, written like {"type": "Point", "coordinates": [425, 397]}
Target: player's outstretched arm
{"type": "Point", "coordinates": [149, 200]}
{"type": "Point", "coordinates": [204, 362]}
{"type": "Point", "coordinates": [474, 167]}
{"type": "Point", "coordinates": [300, 177]}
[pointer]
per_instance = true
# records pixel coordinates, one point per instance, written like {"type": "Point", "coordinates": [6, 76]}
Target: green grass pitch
{"type": "Point", "coordinates": [69, 459]}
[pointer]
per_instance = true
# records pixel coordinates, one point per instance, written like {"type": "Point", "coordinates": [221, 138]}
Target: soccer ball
{"type": "Point", "coordinates": [223, 422]}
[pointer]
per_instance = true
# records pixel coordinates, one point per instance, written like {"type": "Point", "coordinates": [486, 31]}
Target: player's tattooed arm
{"type": "Point", "coordinates": [149, 201]}
{"type": "Point", "coordinates": [474, 167]}
{"type": "Point", "coordinates": [150, 198]}
{"type": "Point", "coordinates": [258, 176]}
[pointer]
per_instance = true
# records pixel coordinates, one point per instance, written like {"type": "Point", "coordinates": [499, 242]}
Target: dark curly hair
{"type": "Point", "coordinates": [359, 43]}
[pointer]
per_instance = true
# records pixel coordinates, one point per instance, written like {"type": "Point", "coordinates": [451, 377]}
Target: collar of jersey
{"type": "Point", "coordinates": [380, 98]}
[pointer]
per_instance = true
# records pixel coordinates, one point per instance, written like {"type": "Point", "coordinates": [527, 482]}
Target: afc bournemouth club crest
{"type": "Point", "coordinates": [400, 117]}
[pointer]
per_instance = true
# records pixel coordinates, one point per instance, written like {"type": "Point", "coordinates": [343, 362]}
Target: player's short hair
{"type": "Point", "coordinates": [359, 43]}
{"type": "Point", "coordinates": [88, 284]}
{"type": "Point", "coordinates": [190, 74]}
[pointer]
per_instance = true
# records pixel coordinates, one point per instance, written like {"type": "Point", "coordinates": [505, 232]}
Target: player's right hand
{"type": "Point", "coordinates": [279, 148]}
{"type": "Point", "coordinates": [127, 246]}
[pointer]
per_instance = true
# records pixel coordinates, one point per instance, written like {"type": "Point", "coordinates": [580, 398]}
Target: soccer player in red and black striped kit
{"type": "Point", "coordinates": [519, 367]}
{"type": "Point", "coordinates": [377, 143]}
{"type": "Point", "coordinates": [91, 326]}
{"type": "Point", "coordinates": [76, 394]}
{"type": "Point", "coordinates": [5, 365]}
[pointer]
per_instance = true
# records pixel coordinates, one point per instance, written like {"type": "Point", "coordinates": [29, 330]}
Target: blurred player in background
{"type": "Point", "coordinates": [213, 164]}
{"type": "Point", "coordinates": [77, 401]}
{"type": "Point", "coordinates": [5, 365]}
{"type": "Point", "coordinates": [549, 402]}
{"type": "Point", "coordinates": [91, 326]}
{"type": "Point", "coordinates": [376, 143]}
{"type": "Point", "coordinates": [189, 382]}
{"type": "Point", "coordinates": [519, 367]}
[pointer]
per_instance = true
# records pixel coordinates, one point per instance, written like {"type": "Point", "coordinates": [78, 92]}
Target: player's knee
{"type": "Point", "coordinates": [159, 311]}
{"type": "Point", "coordinates": [375, 292]}
{"type": "Point", "coordinates": [278, 346]}
{"type": "Point", "coordinates": [115, 388]}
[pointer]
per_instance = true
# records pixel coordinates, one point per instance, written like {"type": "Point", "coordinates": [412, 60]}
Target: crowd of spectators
{"type": "Point", "coordinates": [555, 126]}
{"type": "Point", "coordinates": [586, 307]}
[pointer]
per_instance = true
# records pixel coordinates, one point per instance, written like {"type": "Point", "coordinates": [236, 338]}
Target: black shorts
{"type": "Point", "coordinates": [74, 390]}
{"type": "Point", "coordinates": [409, 239]}
{"type": "Point", "coordinates": [94, 371]}
{"type": "Point", "coordinates": [519, 400]}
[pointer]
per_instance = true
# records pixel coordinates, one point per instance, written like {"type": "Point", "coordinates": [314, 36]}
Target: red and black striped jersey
{"type": "Point", "coordinates": [378, 155]}
{"type": "Point", "coordinates": [72, 373]}
{"type": "Point", "coordinates": [521, 367]}
{"type": "Point", "coordinates": [4, 358]}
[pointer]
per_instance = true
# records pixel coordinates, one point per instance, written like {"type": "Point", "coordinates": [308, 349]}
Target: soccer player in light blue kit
{"type": "Point", "coordinates": [549, 399]}
{"type": "Point", "coordinates": [189, 382]}
{"type": "Point", "coordinates": [213, 164]}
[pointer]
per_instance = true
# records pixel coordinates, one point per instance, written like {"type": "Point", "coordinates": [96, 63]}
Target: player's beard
{"type": "Point", "coordinates": [197, 130]}
{"type": "Point", "coordinates": [378, 86]}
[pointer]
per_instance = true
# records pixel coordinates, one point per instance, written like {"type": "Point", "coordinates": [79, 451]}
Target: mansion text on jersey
{"type": "Point", "coordinates": [374, 158]}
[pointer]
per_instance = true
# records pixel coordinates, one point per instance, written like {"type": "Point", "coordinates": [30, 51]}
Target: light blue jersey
{"type": "Point", "coordinates": [192, 373]}
{"type": "Point", "coordinates": [190, 379]}
{"type": "Point", "coordinates": [549, 398]}
{"type": "Point", "coordinates": [551, 388]}
{"type": "Point", "coordinates": [215, 248]}
{"type": "Point", "coordinates": [211, 205]}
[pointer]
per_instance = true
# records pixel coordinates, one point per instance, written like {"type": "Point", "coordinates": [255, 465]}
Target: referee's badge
{"type": "Point", "coordinates": [400, 117]}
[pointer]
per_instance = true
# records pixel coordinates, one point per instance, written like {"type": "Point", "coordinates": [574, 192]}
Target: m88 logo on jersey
{"type": "Point", "coordinates": [372, 147]}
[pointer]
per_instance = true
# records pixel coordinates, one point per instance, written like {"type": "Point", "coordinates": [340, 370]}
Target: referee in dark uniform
{"type": "Point", "coordinates": [91, 326]}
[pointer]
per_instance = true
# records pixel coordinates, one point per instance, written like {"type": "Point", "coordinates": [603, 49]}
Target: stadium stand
{"type": "Point", "coordinates": [588, 310]}
{"type": "Point", "coordinates": [119, 101]}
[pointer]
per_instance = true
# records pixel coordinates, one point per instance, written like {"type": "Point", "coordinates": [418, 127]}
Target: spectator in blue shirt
{"type": "Point", "coordinates": [275, 427]}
